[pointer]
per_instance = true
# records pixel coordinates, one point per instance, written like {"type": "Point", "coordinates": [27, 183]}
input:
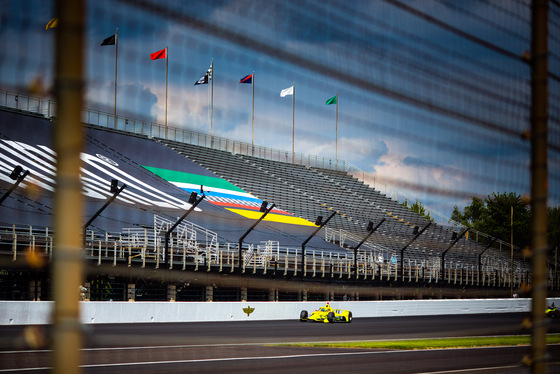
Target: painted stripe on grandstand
{"type": "Point", "coordinates": [215, 191]}
{"type": "Point", "coordinates": [215, 187]}
{"type": "Point", "coordinates": [222, 193]}
{"type": "Point", "coordinates": [272, 217]}
{"type": "Point", "coordinates": [194, 179]}
{"type": "Point", "coordinates": [221, 199]}
{"type": "Point", "coordinates": [231, 205]}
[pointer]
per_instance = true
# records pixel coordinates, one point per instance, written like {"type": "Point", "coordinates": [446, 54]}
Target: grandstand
{"type": "Point", "coordinates": [446, 100]}
{"type": "Point", "coordinates": [406, 251]}
{"type": "Point", "coordinates": [440, 88]}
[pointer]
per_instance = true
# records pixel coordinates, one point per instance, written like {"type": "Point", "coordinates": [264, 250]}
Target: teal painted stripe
{"type": "Point", "coordinates": [179, 176]}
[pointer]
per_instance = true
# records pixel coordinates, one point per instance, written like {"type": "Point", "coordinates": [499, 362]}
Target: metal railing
{"type": "Point", "coordinates": [136, 247]}
{"type": "Point", "coordinates": [47, 108]}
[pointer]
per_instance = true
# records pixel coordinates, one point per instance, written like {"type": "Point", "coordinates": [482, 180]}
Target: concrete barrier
{"type": "Point", "coordinates": [39, 312]}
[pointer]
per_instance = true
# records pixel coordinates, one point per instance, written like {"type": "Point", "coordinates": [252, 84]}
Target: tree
{"type": "Point", "coordinates": [473, 215]}
{"type": "Point", "coordinates": [553, 228]}
{"type": "Point", "coordinates": [418, 208]}
{"type": "Point", "coordinates": [493, 216]}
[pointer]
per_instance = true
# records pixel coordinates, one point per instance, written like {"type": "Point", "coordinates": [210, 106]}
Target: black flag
{"type": "Point", "coordinates": [109, 41]}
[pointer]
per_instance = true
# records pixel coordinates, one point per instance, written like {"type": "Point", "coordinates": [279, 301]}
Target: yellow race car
{"type": "Point", "coordinates": [326, 314]}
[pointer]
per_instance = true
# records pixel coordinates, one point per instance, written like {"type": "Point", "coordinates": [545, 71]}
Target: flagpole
{"type": "Point", "coordinates": [336, 137]}
{"type": "Point", "coordinates": [293, 122]}
{"type": "Point", "coordinates": [211, 103]}
{"type": "Point", "coordinates": [166, 73]}
{"type": "Point", "coordinates": [253, 118]}
{"type": "Point", "coordinates": [116, 56]}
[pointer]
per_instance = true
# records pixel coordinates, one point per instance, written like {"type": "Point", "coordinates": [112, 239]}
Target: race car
{"type": "Point", "coordinates": [326, 314]}
{"type": "Point", "coordinates": [552, 311]}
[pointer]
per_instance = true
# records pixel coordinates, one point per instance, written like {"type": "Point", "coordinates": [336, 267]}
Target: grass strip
{"type": "Point", "coordinates": [470, 342]}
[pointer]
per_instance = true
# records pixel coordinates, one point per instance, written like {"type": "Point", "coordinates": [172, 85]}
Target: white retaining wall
{"type": "Point", "coordinates": [39, 312]}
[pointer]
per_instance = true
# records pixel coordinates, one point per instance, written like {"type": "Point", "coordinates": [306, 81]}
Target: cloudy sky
{"type": "Point", "coordinates": [433, 94]}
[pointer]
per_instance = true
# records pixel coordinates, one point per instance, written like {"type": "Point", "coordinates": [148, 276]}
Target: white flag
{"type": "Point", "coordinates": [287, 91]}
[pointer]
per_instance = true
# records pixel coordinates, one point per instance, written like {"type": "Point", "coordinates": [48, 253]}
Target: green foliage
{"type": "Point", "coordinates": [493, 216]}
{"type": "Point", "coordinates": [418, 208]}
{"type": "Point", "coordinates": [554, 228]}
{"type": "Point", "coordinates": [473, 215]}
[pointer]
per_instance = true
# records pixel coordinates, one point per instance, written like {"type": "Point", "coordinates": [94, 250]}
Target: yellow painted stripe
{"type": "Point", "coordinates": [272, 217]}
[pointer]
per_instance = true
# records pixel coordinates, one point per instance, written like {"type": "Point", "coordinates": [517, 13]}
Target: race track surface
{"type": "Point", "coordinates": [241, 347]}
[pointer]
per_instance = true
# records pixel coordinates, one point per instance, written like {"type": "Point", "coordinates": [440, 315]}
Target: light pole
{"type": "Point", "coordinates": [265, 212]}
{"type": "Point", "coordinates": [321, 224]}
{"type": "Point", "coordinates": [194, 202]}
{"type": "Point", "coordinates": [116, 191]}
{"type": "Point", "coordinates": [416, 235]}
{"type": "Point", "coordinates": [18, 177]}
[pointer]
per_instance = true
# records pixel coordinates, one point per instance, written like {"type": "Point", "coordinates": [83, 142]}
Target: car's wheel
{"type": "Point", "coordinates": [349, 317]}
{"type": "Point", "coordinates": [303, 316]}
{"type": "Point", "coordinates": [330, 317]}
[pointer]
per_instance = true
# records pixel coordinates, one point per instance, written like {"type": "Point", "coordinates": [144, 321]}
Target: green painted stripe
{"type": "Point", "coordinates": [179, 176]}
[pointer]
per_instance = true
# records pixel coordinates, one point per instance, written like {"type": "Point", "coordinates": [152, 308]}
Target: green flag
{"type": "Point", "coordinates": [332, 100]}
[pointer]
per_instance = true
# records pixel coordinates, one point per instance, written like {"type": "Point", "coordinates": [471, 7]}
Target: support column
{"type": "Point", "coordinates": [209, 293]}
{"type": "Point", "coordinates": [243, 293]}
{"type": "Point", "coordinates": [131, 292]}
{"type": "Point", "coordinates": [272, 294]}
{"type": "Point", "coordinates": [171, 292]}
{"type": "Point", "coordinates": [539, 180]}
{"type": "Point", "coordinates": [35, 290]}
{"type": "Point", "coordinates": [68, 138]}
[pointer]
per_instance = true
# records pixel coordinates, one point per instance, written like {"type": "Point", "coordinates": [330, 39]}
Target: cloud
{"type": "Point", "coordinates": [132, 99]}
{"type": "Point", "coordinates": [421, 171]}
{"type": "Point", "coordinates": [404, 175]}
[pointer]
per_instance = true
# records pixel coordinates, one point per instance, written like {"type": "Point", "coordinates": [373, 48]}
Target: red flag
{"type": "Point", "coordinates": [157, 55]}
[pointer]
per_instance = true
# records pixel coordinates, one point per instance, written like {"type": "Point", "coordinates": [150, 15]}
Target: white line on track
{"type": "Point", "coordinates": [471, 370]}
{"type": "Point", "coordinates": [330, 354]}
{"type": "Point", "coordinates": [549, 364]}
{"type": "Point", "coordinates": [200, 360]}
